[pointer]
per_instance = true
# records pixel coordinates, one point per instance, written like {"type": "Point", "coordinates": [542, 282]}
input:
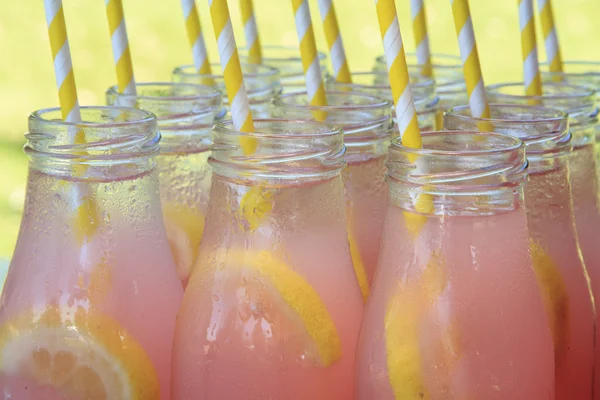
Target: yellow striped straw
{"type": "Point", "coordinates": [120, 46]}
{"type": "Point", "coordinates": [550, 37]}
{"type": "Point", "coordinates": [232, 73]}
{"type": "Point", "coordinates": [195, 37]}
{"type": "Point", "coordinates": [531, 68]}
{"type": "Point", "coordinates": [406, 113]}
{"type": "Point", "coordinates": [341, 71]}
{"type": "Point", "coordinates": [470, 59]}
{"type": "Point", "coordinates": [310, 60]}
{"type": "Point", "coordinates": [251, 31]}
{"type": "Point", "coordinates": [419, 19]}
{"type": "Point", "coordinates": [86, 217]}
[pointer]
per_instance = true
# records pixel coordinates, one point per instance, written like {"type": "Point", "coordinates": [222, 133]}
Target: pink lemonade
{"type": "Point", "coordinates": [273, 307]}
{"type": "Point", "coordinates": [185, 114]}
{"type": "Point", "coordinates": [88, 310]}
{"type": "Point", "coordinates": [556, 255]}
{"type": "Point", "coordinates": [584, 183]}
{"type": "Point", "coordinates": [455, 311]}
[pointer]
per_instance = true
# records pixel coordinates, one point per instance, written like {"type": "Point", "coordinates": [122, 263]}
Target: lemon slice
{"type": "Point", "coordinates": [185, 228]}
{"type": "Point", "coordinates": [82, 354]}
{"type": "Point", "coordinates": [298, 296]}
{"type": "Point", "coordinates": [359, 265]}
{"type": "Point", "coordinates": [554, 295]}
{"type": "Point", "coordinates": [255, 206]}
{"type": "Point", "coordinates": [402, 324]}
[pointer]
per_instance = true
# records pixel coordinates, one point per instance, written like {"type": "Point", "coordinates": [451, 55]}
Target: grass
{"type": "Point", "coordinates": [159, 43]}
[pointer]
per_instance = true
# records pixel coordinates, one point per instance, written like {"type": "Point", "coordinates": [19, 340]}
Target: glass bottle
{"type": "Point", "coordinates": [455, 312]}
{"type": "Point", "coordinates": [557, 260]}
{"type": "Point", "coordinates": [262, 84]}
{"type": "Point", "coordinates": [88, 310]}
{"type": "Point", "coordinates": [287, 60]}
{"type": "Point", "coordinates": [583, 73]}
{"type": "Point", "coordinates": [580, 104]}
{"type": "Point", "coordinates": [366, 122]}
{"type": "Point", "coordinates": [185, 114]}
{"type": "Point", "coordinates": [273, 308]}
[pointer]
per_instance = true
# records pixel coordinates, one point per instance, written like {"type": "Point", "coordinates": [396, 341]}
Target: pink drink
{"type": "Point", "coordinates": [584, 183]}
{"type": "Point", "coordinates": [455, 312]}
{"type": "Point", "coordinates": [580, 104]}
{"type": "Point", "coordinates": [273, 308]}
{"type": "Point", "coordinates": [185, 114]}
{"type": "Point", "coordinates": [90, 309]}
{"type": "Point", "coordinates": [558, 264]}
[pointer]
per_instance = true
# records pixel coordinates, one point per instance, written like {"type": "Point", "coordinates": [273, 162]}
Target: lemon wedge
{"type": "Point", "coordinates": [297, 296]}
{"type": "Point", "coordinates": [185, 228]}
{"type": "Point", "coordinates": [402, 325]}
{"type": "Point", "coordinates": [82, 354]}
{"type": "Point", "coordinates": [554, 295]}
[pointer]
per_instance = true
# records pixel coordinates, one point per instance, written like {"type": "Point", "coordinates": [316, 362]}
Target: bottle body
{"type": "Point", "coordinates": [455, 311]}
{"type": "Point", "coordinates": [95, 306]}
{"type": "Point", "coordinates": [273, 308]}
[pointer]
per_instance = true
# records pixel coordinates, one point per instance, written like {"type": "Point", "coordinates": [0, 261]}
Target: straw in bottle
{"type": "Point", "coordinates": [470, 59]}
{"type": "Point", "coordinates": [406, 113]}
{"type": "Point", "coordinates": [341, 71]}
{"type": "Point", "coordinates": [419, 19]}
{"type": "Point", "coordinates": [310, 60]}
{"type": "Point", "coordinates": [86, 217]}
{"type": "Point", "coordinates": [531, 68]}
{"type": "Point", "coordinates": [120, 46]}
{"type": "Point", "coordinates": [232, 73]}
{"type": "Point", "coordinates": [550, 37]}
{"type": "Point", "coordinates": [251, 31]}
{"type": "Point", "coordinates": [195, 37]}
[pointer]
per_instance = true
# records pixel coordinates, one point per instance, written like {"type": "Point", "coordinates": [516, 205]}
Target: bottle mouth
{"type": "Point", "coordinates": [544, 131]}
{"type": "Point", "coordinates": [280, 53]}
{"type": "Point", "coordinates": [575, 100]}
{"type": "Point", "coordinates": [284, 150]}
{"type": "Point", "coordinates": [105, 135]}
{"type": "Point", "coordinates": [362, 117]}
{"type": "Point", "coordinates": [574, 69]}
{"type": "Point", "coordinates": [455, 163]}
{"type": "Point", "coordinates": [260, 80]}
{"type": "Point", "coordinates": [173, 104]}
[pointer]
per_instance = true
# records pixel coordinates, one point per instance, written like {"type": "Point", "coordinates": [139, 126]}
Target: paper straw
{"type": "Point", "coordinates": [406, 112]}
{"type": "Point", "coordinates": [120, 46]}
{"type": "Point", "coordinates": [251, 31]}
{"type": "Point", "coordinates": [85, 217]}
{"type": "Point", "coordinates": [421, 37]}
{"type": "Point", "coordinates": [341, 72]}
{"type": "Point", "coordinates": [531, 68]}
{"type": "Point", "coordinates": [232, 73]}
{"type": "Point", "coordinates": [310, 60]}
{"type": "Point", "coordinates": [195, 37]}
{"type": "Point", "coordinates": [470, 59]}
{"type": "Point", "coordinates": [550, 36]}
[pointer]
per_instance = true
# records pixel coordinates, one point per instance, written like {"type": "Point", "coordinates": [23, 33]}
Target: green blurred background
{"type": "Point", "coordinates": [159, 43]}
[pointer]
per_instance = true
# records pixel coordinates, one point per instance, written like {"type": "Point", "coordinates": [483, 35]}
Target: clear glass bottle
{"type": "Point", "coordinates": [185, 114]}
{"type": "Point", "coordinates": [287, 60]}
{"type": "Point", "coordinates": [580, 104]}
{"type": "Point", "coordinates": [88, 310]}
{"type": "Point", "coordinates": [262, 84]}
{"type": "Point", "coordinates": [557, 260]}
{"type": "Point", "coordinates": [273, 308]}
{"type": "Point", "coordinates": [448, 76]}
{"type": "Point", "coordinates": [455, 311]}
{"type": "Point", "coordinates": [366, 122]}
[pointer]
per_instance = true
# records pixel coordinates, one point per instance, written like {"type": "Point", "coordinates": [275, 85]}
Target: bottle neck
{"type": "Point", "coordinates": [109, 144]}
{"type": "Point", "coordinates": [278, 153]}
{"type": "Point", "coordinates": [458, 173]}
